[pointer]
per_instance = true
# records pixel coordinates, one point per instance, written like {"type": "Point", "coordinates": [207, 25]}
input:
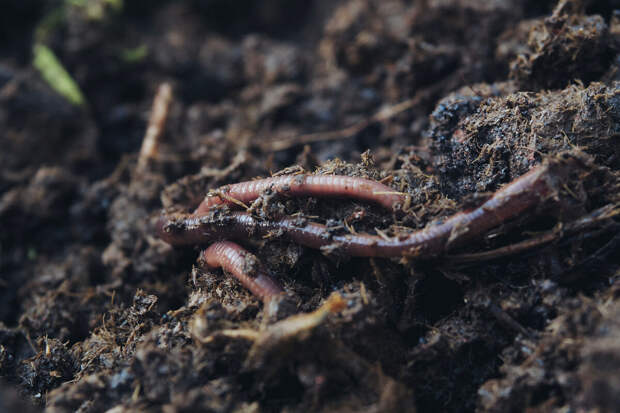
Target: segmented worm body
{"type": "Point", "coordinates": [305, 185]}
{"type": "Point", "coordinates": [244, 266]}
{"type": "Point", "coordinates": [509, 202]}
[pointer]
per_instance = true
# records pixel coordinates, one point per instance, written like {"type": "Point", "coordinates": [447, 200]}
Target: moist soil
{"type": "Point", "coordinates": [446, 101]}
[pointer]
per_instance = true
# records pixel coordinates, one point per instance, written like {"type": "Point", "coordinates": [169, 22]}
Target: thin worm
{"type": "Point", "coordinates": [305, 185]}
{"type": "Point", "coordinates": [244, 266]}
{"type": "Point", "coordinates": [522, 194]}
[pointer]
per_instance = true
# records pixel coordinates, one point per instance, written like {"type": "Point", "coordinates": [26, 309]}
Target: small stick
{"type": "Point", "coordinates": [305, 185]}
{"type": "Point", "coordinates": [157, 122]}
{"type": "Point", "coordinates": [380, 116]}
{"type": "Point", "coordinates": [294, 327]}
{"type": "Point", "coordinates": [593, 218]}
{"type": "Point", "coordinates": [244, 266]}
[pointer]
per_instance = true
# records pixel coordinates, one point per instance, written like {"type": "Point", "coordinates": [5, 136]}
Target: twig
{"type": "Point", "coordinates": [592, 219]}
{"type": "Point", "coordinates": [381, 116]}
{"type": "Point", "coordinates": [156, 126]}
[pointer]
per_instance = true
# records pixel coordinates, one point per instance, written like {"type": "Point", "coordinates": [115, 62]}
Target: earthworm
{"type": "Point", "coordinates": [522, 194]}
{"type": "Point", "coordinates": [244, 266]}
{"type": "Point", "coordinates": [305, 185]}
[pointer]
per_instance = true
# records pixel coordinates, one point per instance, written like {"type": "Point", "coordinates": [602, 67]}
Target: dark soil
{"type": "Point", "coordinates": [444, 100]}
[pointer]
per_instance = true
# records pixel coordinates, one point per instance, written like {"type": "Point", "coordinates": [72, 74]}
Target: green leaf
{"type": "Point", "coordinates": [56, 75]}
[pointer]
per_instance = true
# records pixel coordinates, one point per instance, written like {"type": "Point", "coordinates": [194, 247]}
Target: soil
{"type": "Point", "coordinates": [445, 100]}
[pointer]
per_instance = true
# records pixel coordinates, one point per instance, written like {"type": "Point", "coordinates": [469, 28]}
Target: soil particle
{"type": "Point", "coordinates": [563, 48]}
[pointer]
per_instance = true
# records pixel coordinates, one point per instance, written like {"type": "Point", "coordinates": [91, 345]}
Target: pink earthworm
{"type": "Point", "coordinates": [305, 185]}
{"type": "Point", "coordinates": [524, 193]}
{"type": "Point", "coordinates": [244, 266]}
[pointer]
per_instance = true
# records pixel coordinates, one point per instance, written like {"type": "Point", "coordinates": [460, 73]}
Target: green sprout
{"type": "Point", "coordinates": [56, 75]}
